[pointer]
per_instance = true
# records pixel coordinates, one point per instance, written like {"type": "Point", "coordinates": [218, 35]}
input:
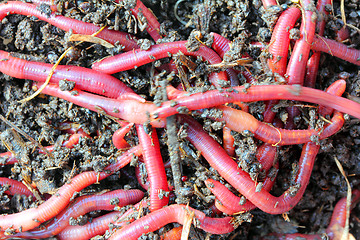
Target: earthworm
{"type": "Point", "coordinates": [33, 217]}
{"type": "Point", "coordinates": [342, 34]}
{"type": "Point", "coordinates": [268, 3]}
{"type": "Point", "coordinates": [97, 226]}
{"type": "Point", "coordinates": [155, 167]}
{"type": "Point", "coordinates": [336, 49]}
{"type": "Point", "coordinates": [173, 213]}
{"type": "Point", "coordinates": [83, 205]}
{"type": "Point", "coordinates": [240, 180]}
{"type": "Point", "coordinates": [339, 215]}
{"type": "Point", "coordinates": [228, 141]}
{"type": "Point", "coordinates": [118, 136]}
{"type": "Point", "coordinates": [337, 88]}
{"type": "Point", "coordinates": [230, 204]}
{"type": "Point", "coordinates": [257, 93]}
{"type": "Point", "coordinates": [273, 135]}
{"type": "Point", "coordinates": [153, 26]}
{"type": "Point", "coordinates": [129, 110]}
{"type": "Point", "coordinates": [15, 187]}
{"type": "Point", "coordinates": [337, 222]}
{"type": "Point", "coordinates": [313, 62]}
{"type": "Point", "coordinates": [297, 64]}
{"type": "Point", "coordinates": [138, 57]}
{"type": "Point", "coordinates": [173, 234]}
{"type": "Point", "coordinates": [67, 24]}
{"type": "Point", "coordinates": [279, 43]}
{"type": "Point", "coordinates": [84, 78]}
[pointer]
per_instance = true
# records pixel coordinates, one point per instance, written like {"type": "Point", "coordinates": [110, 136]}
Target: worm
{"type": "Point", "coordinates": [230, 203]}
{"type": "Point", "coordinates": [268, 3]}
{"type": "Point", "coordinates": [15, 187]}
{"type": "Point", "coordinates": [297, 64]}
{"type": "Point", "coordinates": [215, 98]}
{"type": "Point", "coordinates": [313, 62]}
{"type": "Point", "coordinates": [174, 213]}
{"type": "Point", "coordinates": [67, 24]}
{"type": "Point", "coordinates": [84, 78]}
{"type": "Point", "coordinates": [83, 205]}
{"type": "Point", "coordinates": [155, 167]}
{"type": "Point", "coordinates": [118, 136]}
{"type": "Point", "coordinates": [97, 226]}
{"type": "Point", "coordinates": [138, 57]}
{"type": "Point", "coordinates": [336, 49]}
{"type": "Point", "coordinates": [33, 217]}
{"type": "Point", "coordinates": [173, 234]}
{"type": "Point", "coordinates": [279, 43]}
{"type": "Point", "coordinates": [241, 181]}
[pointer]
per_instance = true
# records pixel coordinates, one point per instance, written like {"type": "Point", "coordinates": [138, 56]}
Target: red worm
{"type": "Point", "coordinates": [313, 62]}
{"type": "Point", "coordinates": [230, 203]}
{"type": "Point", "coordinates": [257, 93]}
{"type": "Point", "coordinates": [338, 218]}
{"type": "Point", "coordinates": [84, 78]}
{"type": "Point", "coordinates": [269, 3]}
{"type": "Point", "coordinates": [136, 58]}
{"type": "Point", "coordinates": [337, 49]}
{"type": "Point", "coordinates": [173, 234]}
{"type": "Point", "coordinates": [299, 57]}
{"type": "Point", "coordinates": [32, 218]}
{"type": "Point", "coordinates": [83, 205]}
{"type": "Point", "coordinates": [336, 225]}
{"type": "Point", "coordinates": [129, 110]}
{"type": "Point", "coordinates": [279, 43]}
{"type": "Point", "coordinates": [155, 168]}
{"type": "Point", "coordinates": [15, 187]}
{"type": "Point", "coordinates": [64, 23]}
{"type": "Point", "coordinates": [240, 180]}
{"type": "Point", "coordinates": [228, 141]}
{"type": "Point", "coordinates": [174, 213]}
{"type": "Point", "coordinates": [239, 121]}
{"type": "Point", "coordinates": [97, 226]}
{"type": "Point", "coordinates": [118, 136]}
{"type": "Point", "coordinates": [337, 88]}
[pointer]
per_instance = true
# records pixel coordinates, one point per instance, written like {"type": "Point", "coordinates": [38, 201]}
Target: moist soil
{"type": "Point", "coordinates": [45, 118]}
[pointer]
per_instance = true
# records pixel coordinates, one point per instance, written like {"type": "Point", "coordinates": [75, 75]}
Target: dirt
{"type": "Point", "coordinates": [243, 22]}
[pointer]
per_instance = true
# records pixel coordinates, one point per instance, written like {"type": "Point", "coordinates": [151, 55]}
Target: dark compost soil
{"type": "Point", "coordinates": [246, 21]}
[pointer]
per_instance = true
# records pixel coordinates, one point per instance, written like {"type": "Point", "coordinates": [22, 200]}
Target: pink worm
{"type": "Point", "coordinates": [83, 205]}
{"type": "Point", "coordinates": [299, 57]}
{"type": "Point", "coordinates": [230, 203]}
{"type": "Point", "coordinates": [313, 62]}
{"type": "Point", "coordinates": [336, 49]}
{"type": "Point", "coordinates": [155, 167]}
{"type": "Point", "coordinates": [174, 213]}
{"type": "Point", "coordinates": [85, 79]}
{"type": "Point", "coordinates": [16, 187]}
{"type": "Point", "coordinates": [279, 43]}
{"type": "Point", "coordinates": [257, 93]}
{"type": "Point", "coordinates": [337, 222]}
{"type": "Point", "coordinates": [228, 169]}
{"type": "Point", "coordinates": [130, 110]}
{"type": "Point", "coordinates": [33, 217]}
{"type": "Point", "coordinates": [97, 226]}
{"type": "Point", "coordinates": [67, 24]}
{"type": "Point", "coordinates": [118, 136]}
{"type": "Point", "coordinates": [136, 58]}
{"type": "Point", "coordinates": [269, 3]}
